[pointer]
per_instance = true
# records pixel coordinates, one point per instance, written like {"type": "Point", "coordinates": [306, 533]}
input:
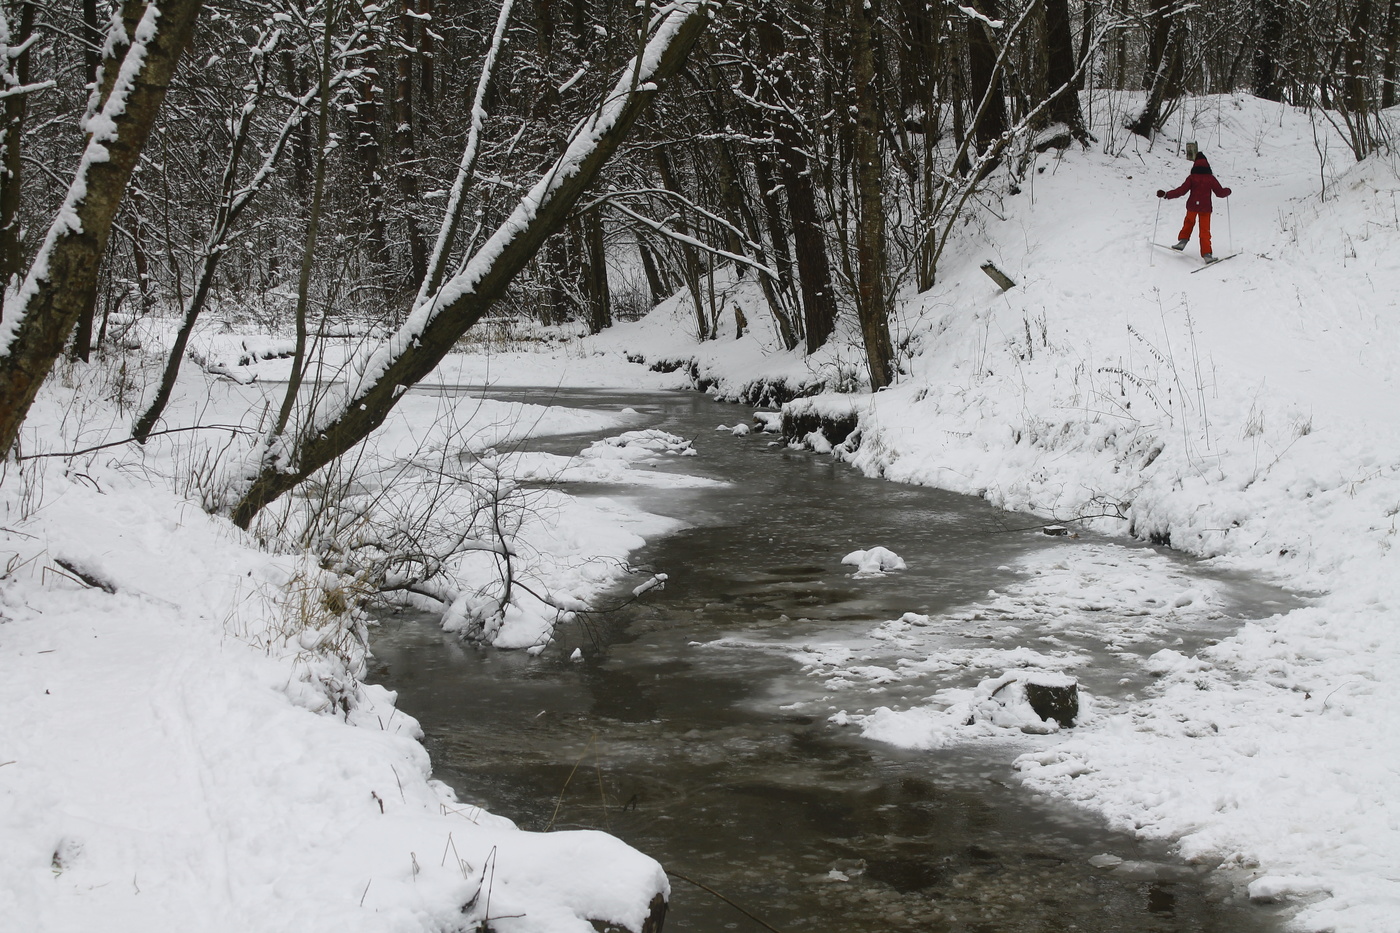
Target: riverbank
{"type": "Point", "coordinates": [185, 739]}
{"type": "Point", "coordinates": [1245, 414]}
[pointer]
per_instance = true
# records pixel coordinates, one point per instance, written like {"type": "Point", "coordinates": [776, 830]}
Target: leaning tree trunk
{"type": "Point", "coordinates": [432, 329]}
{"type": "Point", "coordinates": [1166, 61]}
{"type": "Point", "coordinates": [232, 203]}
{"type": "Point", "coordinates": [64, 275]}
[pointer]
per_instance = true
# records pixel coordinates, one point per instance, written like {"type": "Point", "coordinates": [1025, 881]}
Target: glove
{"type": "Point", "coordinates": [1161, 193]}
{"type": "Point", "coordinates": [1225, 193]}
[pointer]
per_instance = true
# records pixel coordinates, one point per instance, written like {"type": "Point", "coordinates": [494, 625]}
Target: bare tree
{"type": "Point", "coordinates": [432, 329]}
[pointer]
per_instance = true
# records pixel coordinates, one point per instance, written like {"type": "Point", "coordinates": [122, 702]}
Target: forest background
{"type": "Point", "coordinates": [401, 170]}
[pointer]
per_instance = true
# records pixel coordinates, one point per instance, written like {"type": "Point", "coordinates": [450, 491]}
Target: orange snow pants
{"type": "Point", "coordinates": [1187, 227]}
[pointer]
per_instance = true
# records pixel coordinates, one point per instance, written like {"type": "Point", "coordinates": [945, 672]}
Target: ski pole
{"type": "Point", "coordinates": [1229, 228]}
{"type": "Point", "coordinates": [1152, 256]}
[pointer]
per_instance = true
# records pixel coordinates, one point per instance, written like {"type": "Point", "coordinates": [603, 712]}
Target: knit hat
{"type": "Point", "coordinates": [1201, 166]}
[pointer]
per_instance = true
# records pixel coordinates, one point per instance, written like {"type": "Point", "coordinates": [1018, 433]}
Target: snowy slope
{"type": "Point", "coordinates": [1247, 413]}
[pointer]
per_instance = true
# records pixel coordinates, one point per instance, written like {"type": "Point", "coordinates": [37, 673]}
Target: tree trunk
{"type": "Point", "coordinates": [773, 292]}
{"type": "Point", "coordinates": [596, 274]}
{"type": "Point", "coordinates": [690, 259]}
{"type": "Point", "coordinates": [809, 240]}
{"type": "Point", "coordinates": [364, 133]}
{"type": "Point", "coordinates": [1392, 42]}
{"type": "Point", "coordinates": [466, 167]}
{"type": "Point", "coordinates": [985, 79]}
{"type": "Point", "coordinates": [15, 110]}
{"type": "Point", "coordinates": [432, 330]}
{"type": "Point", "coordinates": [427, 47]}
{"type": "Point", "coordinates": [406, 171]}
{"type": "Point", "coordinates": [656, 286]}
{"type": "Point", "coordinates": [1357, 100]}
{"type": "Point", "coordinates": [1266, 50]}
{"type": "Point", "coordinates": [232, 203]}
{"type": "Point", "coordinates": [556, 263]}
{"type": "Point", "coordinates": [64, 276]}
{"type": "Point", "coordinates": [100, 86]}
{"type": "Point", "coordinates": [1088, 19]}
{"type": "Point", "coordinates": [296, 85]}
{"type": "Point", "coordinates": [1158, 33]}
{"type": "Point", "coordinates": [313, 225]}
{"type": "Point", "coordinates": [1164, 81]}
{"type": "Point", "coordinates": [870, 220]}
{"type": "Point", "coordinates": [1060, 69]}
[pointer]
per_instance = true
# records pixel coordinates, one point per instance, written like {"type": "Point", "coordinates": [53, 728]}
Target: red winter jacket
{"type": "Point", "coordinates": [1201, 183]}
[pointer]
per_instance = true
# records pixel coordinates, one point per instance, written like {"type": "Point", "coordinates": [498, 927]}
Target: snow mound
{"type": "Point", "coordinates": [639, 445]}
{"type": "Point", "coordinates": [995, 708]}
{"type": "Point", "coordinates": [875, 562]}
{"type": "Point", "coordinates": [770, 422]}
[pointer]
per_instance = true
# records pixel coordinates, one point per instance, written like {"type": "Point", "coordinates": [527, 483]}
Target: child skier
{"type": "Point", "coordinates": [1200, 183]}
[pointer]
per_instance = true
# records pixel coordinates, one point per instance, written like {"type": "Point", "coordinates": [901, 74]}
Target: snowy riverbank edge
{"type": "Point", "coordinates": [1246, 415]}
{"type": "Point", "coordinates": [185, 739]}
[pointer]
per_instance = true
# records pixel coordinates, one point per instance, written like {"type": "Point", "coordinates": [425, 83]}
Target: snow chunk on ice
{"type": "Point", "coordinates": [1168, 661]}
{"type": "Point", "coordinates": [639, 445]}
{"type": "Point", "coordinates": [1273, 888]}
{"type": "Point", "coordinates": [995, 708]}
{"type": "Point", "coordinates": [875, 562]}
{"type": "Point", "coordinates": [771, 422]}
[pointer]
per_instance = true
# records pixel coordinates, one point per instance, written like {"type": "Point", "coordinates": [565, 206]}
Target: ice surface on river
{"type": "Point", "coordinates": [1087, 609]}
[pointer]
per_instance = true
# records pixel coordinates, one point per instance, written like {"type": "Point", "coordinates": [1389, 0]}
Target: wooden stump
{"type": "Point", "coordinates": [656, 919]}
{"type": "Point", "coordinates": [1054, 698]}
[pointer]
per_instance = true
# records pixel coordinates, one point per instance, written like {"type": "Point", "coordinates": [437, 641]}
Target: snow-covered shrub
{"type": "Point", "coordinates": [315, 616]}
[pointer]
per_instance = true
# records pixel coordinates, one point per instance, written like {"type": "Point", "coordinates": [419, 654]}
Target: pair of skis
{"type": "Point", "coordinates": [1213, 262]}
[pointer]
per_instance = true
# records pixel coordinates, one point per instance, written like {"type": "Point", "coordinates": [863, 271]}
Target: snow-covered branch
{"type": "Point", "coordinates": [452, 214]}
{"type": "Point", "coordinates": [433, 327]}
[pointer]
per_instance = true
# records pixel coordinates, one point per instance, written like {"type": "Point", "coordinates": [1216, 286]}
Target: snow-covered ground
{"type": "Point", "coordinates": [1247, 414]}
{"type": "Point", "coordinates": [194, 749]}
{"type": "Point", "coordinates": [184, 742]}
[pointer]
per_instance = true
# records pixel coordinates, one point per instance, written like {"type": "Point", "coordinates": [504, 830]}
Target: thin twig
{"type": "Point", "coordinates": [87, 450]}
{"type": "Point", "coordinates": [709, 890]}
{"type": "Point", "coordinates": [559, 801]}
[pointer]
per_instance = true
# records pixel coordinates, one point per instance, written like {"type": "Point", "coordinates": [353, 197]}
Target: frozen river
{"type": "Point", "coordinates": [698, 725]}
